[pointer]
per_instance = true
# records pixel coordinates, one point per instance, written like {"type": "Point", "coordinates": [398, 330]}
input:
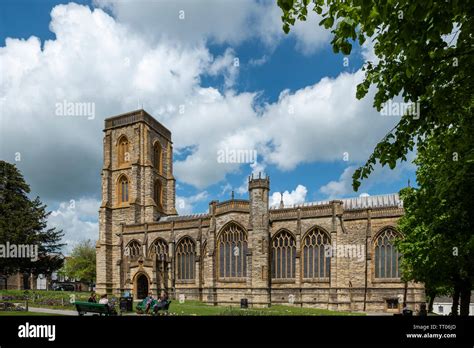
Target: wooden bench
{"type": "Point", "coordinates": [91, 307]}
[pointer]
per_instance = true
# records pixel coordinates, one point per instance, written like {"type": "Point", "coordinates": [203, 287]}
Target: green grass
{"type": "Point", "coordinates": [44, 298]}
{"type": "Point", "coordinates": [196, 308]}
{"type": "Point", "coordinates": [60, 300]}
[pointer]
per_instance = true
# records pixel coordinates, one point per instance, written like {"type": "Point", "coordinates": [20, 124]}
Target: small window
{"type": "Point", "coordinates": [123, 150]}
{"type": "Point", "coordinates": [157, 156]}
{"type": "Point", "coordinates": [158, 193]}
{"type": "Point", "coordinates": [392, 303]}
{"type": "Point", "coordinates": [123, 189]}
{"type": "Point", "coordinates": [440, 309]}
{"type": "Point", "coordinates": [133, 249]}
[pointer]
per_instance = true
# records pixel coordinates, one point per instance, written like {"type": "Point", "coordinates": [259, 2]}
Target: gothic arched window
{"type": "Point", "coordinates": [283, 256]}
{"type": "Point", "coordinates": [159, 247]}
{"type": "Point", "coordinates": [158, 193]}
{"type": "Point", "coordinates": [185, 257]}
{"type": "Point", "coordinates": [133, 249]}
{"type": "Point", "coordinates": [316, 265]}
{"type": "Point", "coordinates": [123, 194]}
{"type": "Point", "coordinates": [232, 251]}
{"type": "Point", "coordinates": [123, 152]}
{"type": "Point", "coordinates": [386, 256]}
{"type": "Point", "coordinates": [157, 156]}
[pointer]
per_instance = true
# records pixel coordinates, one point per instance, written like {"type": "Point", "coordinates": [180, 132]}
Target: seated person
{"type": "Point", "coordinates": [104, 299]}
{"type": "Point", "coordinates": [148, 301]}
{"type": "Point", "coordinates": [92, 298]}
{"type": "Point", "coordinates": [162, 302]}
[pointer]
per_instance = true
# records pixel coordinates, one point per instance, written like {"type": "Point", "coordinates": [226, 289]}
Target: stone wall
{"type": "Point", "coordinates": [350, 286]}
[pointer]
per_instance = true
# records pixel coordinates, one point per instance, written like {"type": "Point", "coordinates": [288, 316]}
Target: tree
{"type": "Point", "coordinates": [416, 61]}
{"type": "Point", "coordinates": [24, 222]}
{"type": "Point", "coordinates": [424, 54]}
{"type": "Point", "coordinates": [438, 246]}
{"type": "Point", "coordinates": [81, 263]}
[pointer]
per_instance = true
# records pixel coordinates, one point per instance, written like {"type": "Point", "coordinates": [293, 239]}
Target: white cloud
{"type": "Point", "coordinates": [77, 219]}
{"type": "Point", "coordinates": [296, 196]}
{"type": "Point", "coordinates": [185, 205]}
{"type": "Point", "coordinates": [97, 59]}
{"type": "Point", "coordinates": [216, 21]}
{"type": "Point", "coordinates": [188, 20]}
{"type": "Point", "coordinates": [343, 186]}
{"type": "Point", "coordinates": [227, 65]}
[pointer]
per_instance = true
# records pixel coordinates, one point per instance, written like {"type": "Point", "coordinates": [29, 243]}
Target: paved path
{"type": "Point", "coordinates": [52, 311]}
{"type": "Point", "coordinates": [65, 311]}
{"type": "Point", "coordinates": [379, 314]}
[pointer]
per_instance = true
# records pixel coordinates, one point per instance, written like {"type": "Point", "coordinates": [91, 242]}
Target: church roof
{"type": "Point", "coordinates": [364, 202]}
{"type": "Point", "coordinates": [184, 217]}
{"type": "Point", "coordinates": [377, 201]}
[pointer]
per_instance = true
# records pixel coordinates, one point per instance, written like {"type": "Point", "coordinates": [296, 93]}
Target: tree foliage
{"type": "Point", "coordinates": [424, 53]}
{"type": "Point", "coordinates": [81, 264]}
{"type": "Point", "coordinates": [417, 59]}
{"type": "Point", "coordinates": [24, 221]}
{"type": "Point", "coordinates": [438, 246]}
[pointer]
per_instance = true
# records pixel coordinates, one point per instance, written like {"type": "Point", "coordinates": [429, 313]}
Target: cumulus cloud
{"type": "Point", "coordinates": [216, 21]}
{"type": "Point", "coordinates": [113, 64]}
{"type": "Point", "coordinates": [296, 196]}
{"type": "Point", "coordinates": [77, 219]}
{"type": "Point", "coordinates": [226, 65]}
{"type": "Point", "coordinates": [97, 60]}
{"type": "Point", "coordinates": [185, 205]}
{"type": "Point", "coordinates": [343, 186]}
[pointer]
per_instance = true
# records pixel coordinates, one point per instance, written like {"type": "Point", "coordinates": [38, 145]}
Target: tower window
{"type": "Point", "coordinates": [158, 193]}
{"type": "Point", "coordinates": [157, 156]}
{"type": "Point", "coordinates": [123, 189]}
{"type": "Point", "coordinates": [123, 150]}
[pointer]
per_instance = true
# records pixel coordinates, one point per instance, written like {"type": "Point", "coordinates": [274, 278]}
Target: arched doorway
{"type": "Point", "coordinates": [142, 286]}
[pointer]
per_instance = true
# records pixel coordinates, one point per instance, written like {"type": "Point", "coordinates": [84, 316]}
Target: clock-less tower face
{"type": "Point", "coordinates": [138, 171]}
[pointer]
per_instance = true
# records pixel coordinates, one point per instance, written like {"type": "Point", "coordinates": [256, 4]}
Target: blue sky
{"type": "Point", "coordinates": [290, 98]}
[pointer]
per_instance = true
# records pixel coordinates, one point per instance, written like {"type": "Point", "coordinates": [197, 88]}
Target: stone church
{"type": "Point", "coordinates": [336, 255]}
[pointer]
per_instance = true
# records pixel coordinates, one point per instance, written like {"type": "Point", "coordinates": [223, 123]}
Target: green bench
{"type": "Point", "coordinates": [91, 307]}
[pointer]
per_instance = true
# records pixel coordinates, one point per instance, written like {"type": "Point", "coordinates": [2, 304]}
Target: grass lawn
{"type": "Point", "coordinates": [199, 308]}
{"type": "Point", "coordinates": [61, 300]}
{"type": "Point", "coordinates": [44, 298]}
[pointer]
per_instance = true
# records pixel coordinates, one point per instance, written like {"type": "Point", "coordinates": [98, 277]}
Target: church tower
{"type": "Point", "coordinates": [259, 189]}
{"type": "Point", "coordinates": [137, 184]}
